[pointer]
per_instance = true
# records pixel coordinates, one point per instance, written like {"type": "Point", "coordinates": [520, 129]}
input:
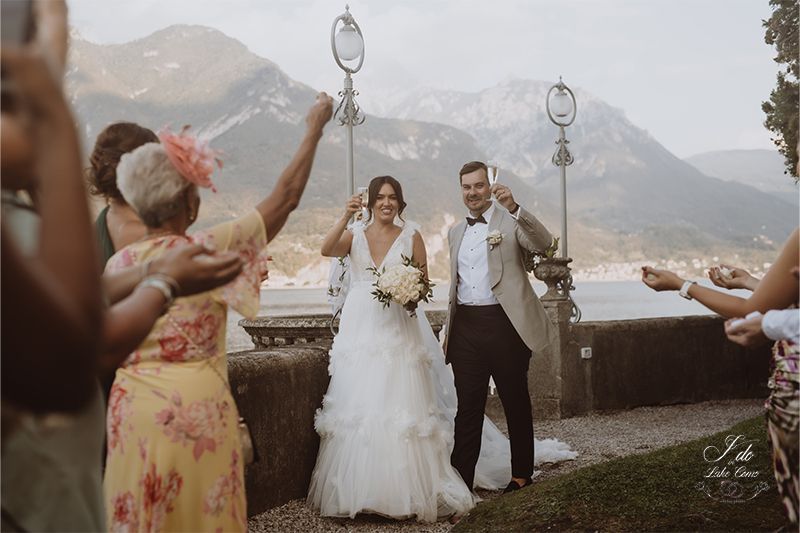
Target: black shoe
{"type": "Point", "coordinates": [512, 485]}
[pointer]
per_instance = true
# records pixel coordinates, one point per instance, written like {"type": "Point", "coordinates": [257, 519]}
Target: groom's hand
{"type": "Point", "coordinates": [504, 197]}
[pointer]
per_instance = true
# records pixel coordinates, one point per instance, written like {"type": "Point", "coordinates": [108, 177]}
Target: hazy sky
{"type": "Point", "coordinates": [691, 72]}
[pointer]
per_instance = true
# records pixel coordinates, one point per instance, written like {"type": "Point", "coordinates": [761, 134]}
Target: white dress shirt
{"type": "Point", "coordinates": [474, 286]}
{"type": "Point", "coordinates": [779, 325]}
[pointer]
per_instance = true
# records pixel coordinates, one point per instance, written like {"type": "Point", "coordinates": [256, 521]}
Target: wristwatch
{"type": "Point", "coordinates": [685, 289]}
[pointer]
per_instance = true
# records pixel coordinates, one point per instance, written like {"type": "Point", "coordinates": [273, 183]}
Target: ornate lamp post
{"type": "Point", "coordinates": [561, 109]}
{"type": "Point", "coordinates": [348, 46]}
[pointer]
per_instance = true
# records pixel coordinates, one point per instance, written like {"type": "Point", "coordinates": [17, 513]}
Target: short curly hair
{"type": "Point", "coordinates": [151, 185]}
{"type": "Point", "coordinates": [114, 141]}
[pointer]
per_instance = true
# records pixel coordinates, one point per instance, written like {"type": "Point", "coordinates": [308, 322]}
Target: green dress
{"type": "Point", "coordinates": [104, 237]}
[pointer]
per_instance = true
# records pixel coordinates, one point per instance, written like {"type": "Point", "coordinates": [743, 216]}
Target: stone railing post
{"type": "Point", "coordinates": [545, 378]}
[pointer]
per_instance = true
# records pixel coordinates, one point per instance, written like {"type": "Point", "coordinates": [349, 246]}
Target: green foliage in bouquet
{"type": "Point", "coordinates": [392, 292]}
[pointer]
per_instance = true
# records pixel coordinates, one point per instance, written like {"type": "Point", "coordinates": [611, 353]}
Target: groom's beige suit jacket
{"type": "Point", "coordinates": [508, 278]}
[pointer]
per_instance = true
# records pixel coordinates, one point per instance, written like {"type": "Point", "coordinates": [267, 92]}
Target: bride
{"type": "Point", "coordinates": [386, 422]}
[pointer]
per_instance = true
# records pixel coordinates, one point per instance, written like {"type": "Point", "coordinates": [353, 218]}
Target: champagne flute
{"type": "Point", "coordinates": [364, 192]}
{"type": "Point", "coordinates": [492, 171]}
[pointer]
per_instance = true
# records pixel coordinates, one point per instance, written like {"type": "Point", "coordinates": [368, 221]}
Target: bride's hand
{"type": "Point", "coordinates": [353, 206]}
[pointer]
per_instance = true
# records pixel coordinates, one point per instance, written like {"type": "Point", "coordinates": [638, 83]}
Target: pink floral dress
{"type": "Point", "coordinates": [174, 456]}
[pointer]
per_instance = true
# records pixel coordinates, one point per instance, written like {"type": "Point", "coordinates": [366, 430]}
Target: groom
{"type": "Point", "coordinates": [495, 321]}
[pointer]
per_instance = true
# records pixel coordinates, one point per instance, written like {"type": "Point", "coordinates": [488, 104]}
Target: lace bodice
{"type": "Point", "coordinates": [361, 260]}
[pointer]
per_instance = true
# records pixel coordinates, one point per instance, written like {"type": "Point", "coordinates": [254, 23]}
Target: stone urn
{"type": "Point", "coordinates": [555, 272]}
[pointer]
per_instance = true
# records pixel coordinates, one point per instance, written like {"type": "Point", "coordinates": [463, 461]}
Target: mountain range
{"type": "Point", "coordinates": [630, 199]}
{"type": "Point", "coordinates": [762, 169]}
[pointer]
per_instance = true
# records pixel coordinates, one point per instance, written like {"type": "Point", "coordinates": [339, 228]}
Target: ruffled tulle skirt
{"type": "Point", "coordinates": [385, 435]}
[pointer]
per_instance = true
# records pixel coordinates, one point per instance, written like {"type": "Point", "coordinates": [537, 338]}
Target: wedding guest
{"type": "Point", "coordinates": [53, 415]}
{"type": "Point", "coordinates": [64, 274]}
{"type": "Point", "coordinates": [776, 291]}
{"type": "Point", "coordinates": [175, 458]}
{"type": "Point", "coordinates": [117, 225]}
{"type": "Point", "coordinates": [783, 327]}
{"type": "Point", "coordinates": [51, 298]}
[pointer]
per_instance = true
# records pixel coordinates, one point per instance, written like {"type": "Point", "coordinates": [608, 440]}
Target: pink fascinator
{"type": "Point", "coordinates": [190, 156]}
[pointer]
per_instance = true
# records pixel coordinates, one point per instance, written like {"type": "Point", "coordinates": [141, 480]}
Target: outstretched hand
{"type": "Point", "coordinates": [198, 268]}
{"type": "Point", "coordinates": [746, 331]}
{"type": "Point", "coordinates": [730, 277]}
{"type": "Point", "coordinates": [661, 280]}
{"type": "Point", "coordinates": [320, 113]}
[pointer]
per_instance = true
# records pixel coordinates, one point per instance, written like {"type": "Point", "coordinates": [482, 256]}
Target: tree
{"type": "Point", "coordinates": [782, 107]}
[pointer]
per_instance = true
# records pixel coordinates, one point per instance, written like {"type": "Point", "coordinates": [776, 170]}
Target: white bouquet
{"type": "Point", "coordinates": [404, 284]}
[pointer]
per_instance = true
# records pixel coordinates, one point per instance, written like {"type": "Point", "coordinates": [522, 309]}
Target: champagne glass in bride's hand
{"type": "Point", "coordinates": [364, 192]}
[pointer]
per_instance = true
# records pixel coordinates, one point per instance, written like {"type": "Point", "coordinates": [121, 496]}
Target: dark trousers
{"type": "Point", "coordinates": [484, 343]}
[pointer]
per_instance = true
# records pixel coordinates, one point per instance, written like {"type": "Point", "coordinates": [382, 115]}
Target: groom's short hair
{"type": "Point", "coordinates": [472, 166]}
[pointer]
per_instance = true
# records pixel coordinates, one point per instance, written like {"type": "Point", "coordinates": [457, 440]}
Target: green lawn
{"type": "Point", "coordinates": [651, 492]}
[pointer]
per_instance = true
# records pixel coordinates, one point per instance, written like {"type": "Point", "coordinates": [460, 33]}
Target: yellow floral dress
{"type": "Point", "coordinates": [174, 454]}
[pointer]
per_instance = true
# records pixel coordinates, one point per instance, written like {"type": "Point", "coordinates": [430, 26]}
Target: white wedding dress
{"type": "Point", "coordinates": [386, 422]}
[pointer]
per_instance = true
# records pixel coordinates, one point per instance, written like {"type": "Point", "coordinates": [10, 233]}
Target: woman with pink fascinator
{"type": "Point", "coordinates": [175, 453]}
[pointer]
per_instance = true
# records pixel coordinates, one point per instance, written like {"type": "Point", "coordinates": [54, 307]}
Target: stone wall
{"type": "Point", "coordinates": [658, 361]}
{"type": "Point", "coordinates": [279, 385]}
{"type": "Point", "coordinates": [277, 392]}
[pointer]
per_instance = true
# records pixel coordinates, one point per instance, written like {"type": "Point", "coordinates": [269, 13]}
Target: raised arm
{"type": "Point", "coordinates": [67, 247]}
{"type": "Point", "coordinates": [338, 241]}
{"type": "Point", "coordinates": [285, 197]}
{"type": "Point", "coordinates": [531, 234]}
{"type": "Point", "coordinates": [777, 290]}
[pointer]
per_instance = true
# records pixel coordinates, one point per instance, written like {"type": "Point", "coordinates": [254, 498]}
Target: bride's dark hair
{"type": "Point", "coordinates": [375, 186]}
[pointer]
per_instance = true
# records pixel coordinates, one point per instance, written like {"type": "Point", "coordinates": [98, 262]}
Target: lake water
{"type": "Point", "coordinates": [598, 300]}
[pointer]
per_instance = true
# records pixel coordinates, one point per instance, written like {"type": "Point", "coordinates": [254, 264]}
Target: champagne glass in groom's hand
{"type": "Point", "coordinates": [492, 171]}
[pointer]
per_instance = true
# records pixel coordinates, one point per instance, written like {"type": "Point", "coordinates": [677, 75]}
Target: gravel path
{"type": "Point", "coordinates": [596, 438]}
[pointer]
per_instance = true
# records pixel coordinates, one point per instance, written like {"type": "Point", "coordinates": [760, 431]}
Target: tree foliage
{"type": "Point", "coordinates": [782, 107]}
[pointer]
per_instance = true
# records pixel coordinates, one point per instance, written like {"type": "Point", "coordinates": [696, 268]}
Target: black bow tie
{"type": "Point", "coordinates": [472, 221]}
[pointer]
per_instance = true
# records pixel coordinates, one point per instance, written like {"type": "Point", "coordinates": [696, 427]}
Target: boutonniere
{"type": "Point", "coordinates": [494, 238]}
